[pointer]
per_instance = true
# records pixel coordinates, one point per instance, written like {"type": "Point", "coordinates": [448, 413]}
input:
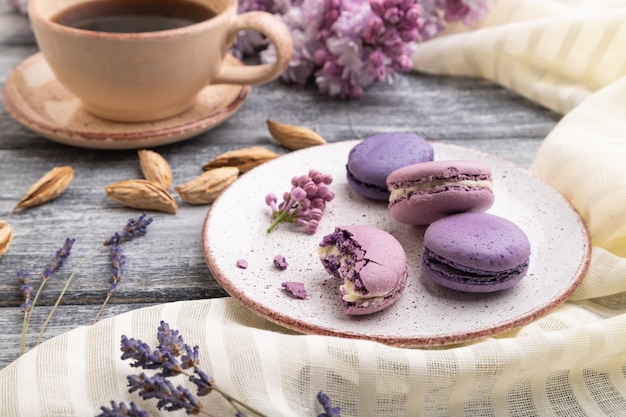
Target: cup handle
{"type": "Point", "coordinates": [277, 33]}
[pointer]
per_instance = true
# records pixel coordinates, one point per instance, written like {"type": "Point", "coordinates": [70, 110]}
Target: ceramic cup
{"type": "Point", "coordinates": [137, 77]}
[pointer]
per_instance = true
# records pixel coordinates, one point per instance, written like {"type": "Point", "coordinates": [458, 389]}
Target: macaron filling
{"type": "Point", "coordinates": [435, 186]}
{"type": "Point", "coordinates": [451, 271]}
{"type": "Point", "coordinates": [344, 258]}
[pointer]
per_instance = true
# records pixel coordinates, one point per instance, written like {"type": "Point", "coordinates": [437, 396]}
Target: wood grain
{"type": "Point", "coordinates": [167, 264]}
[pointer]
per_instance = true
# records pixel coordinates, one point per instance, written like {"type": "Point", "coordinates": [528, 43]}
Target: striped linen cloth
{"type": "Point", "coordinates": [566, 55]}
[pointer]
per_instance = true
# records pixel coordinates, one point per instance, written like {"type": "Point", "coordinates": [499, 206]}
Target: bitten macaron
{"type": "Point", "coordinates": [475, 252]}
{"type": "Point", "coordinates": [374, 158]}
{"type": "Point", "coordinates": [371, 265]}
{"type": "Point", "coordinates": [425, 192]}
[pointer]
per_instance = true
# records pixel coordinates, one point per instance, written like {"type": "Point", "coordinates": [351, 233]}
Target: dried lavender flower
{"type": "Point", "coordinates": [329, 410]}
{"type": "Point", "coordinates": [59, 259]}
{"type": "Point", "coordinates": [305, 203]}
{"type": "Point", "coordinates": [170, 398]}
{"type": "Point", "coordinates": [122, 410]}
{"type": "Point", "coordinates": [163, 359]}
{"type": "Point", "coordinates": [26, 287]}
{"type": "Point", "coordinates": [134, 228]}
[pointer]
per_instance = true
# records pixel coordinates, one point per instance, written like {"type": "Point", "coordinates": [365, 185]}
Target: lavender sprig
{"type": "Point", "coordinates": [134, 228]}
{"type": "Point", "coordinates": [25, 278]}
{"type": "Point", "coordinates": [304, 204]}
{"type": "Point", "coordinates": [122, 410]}
{"type": "Point", "coordinates": [329, 410]}
{"type": "Point", "coordinates": [172, 357]}
{"type": "Point", "coordinates": [165, 360]}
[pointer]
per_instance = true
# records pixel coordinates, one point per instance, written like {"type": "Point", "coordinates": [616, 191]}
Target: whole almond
{"type": "Point", "coordinates": [47, 188]}
{"type": "Point", "coordinates": [294, 137]}
{"type": "Point", "coordinates": [243, 159]}
{"type": "Point", "coordinates": [142, 194]}
{"type": "Point", "coordinates": [155, 168]}
{"type": "Point", "coordinates": [205, 188]}
{"type": "Point", "coordinates": [6, 234]}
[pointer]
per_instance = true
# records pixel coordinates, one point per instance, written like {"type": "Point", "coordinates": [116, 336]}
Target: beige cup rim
{"type": "Point", "coordinates": [34, 14]}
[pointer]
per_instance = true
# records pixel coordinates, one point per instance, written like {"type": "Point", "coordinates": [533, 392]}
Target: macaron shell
{"type": "Point", "coordinates": [479, 241]}
{"type": "Point", "coordinates": [436, 200]}
{"type": "Point", "coordinates": [382, 269]}
{"type": "Point", "coordinates": [373, 159]}
{"type": "Point", "coordinates": [423, 209]}
{"type": "Point", "coordinates": [458, 283]}
{"type": "Point", "coordinates": [475, 252]}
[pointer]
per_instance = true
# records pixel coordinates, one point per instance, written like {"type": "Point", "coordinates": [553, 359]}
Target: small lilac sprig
{"type": "Point", "coordinates": [346, 45]}
{"type": "Point", "coordinates": [25, 280]}
{"type": "Point", "coordinates": [304, 204]}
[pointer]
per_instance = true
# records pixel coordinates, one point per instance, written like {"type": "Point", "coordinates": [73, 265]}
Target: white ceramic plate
{"type": "Point", "coordinates": [425, 315]}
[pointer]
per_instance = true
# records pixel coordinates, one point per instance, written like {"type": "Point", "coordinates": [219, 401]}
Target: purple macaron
{"type": "Point", "coordinates": [371, 265]}
{"type": "Point", "coordinates": [373, 159]}
{"type": "Point", "coordinates": [475, 252]}
{"type": "Point", "coordinates": [425, 192]}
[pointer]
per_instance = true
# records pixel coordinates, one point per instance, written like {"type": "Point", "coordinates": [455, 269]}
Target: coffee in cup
{"type": "Point", "coordinates": [141, 60]}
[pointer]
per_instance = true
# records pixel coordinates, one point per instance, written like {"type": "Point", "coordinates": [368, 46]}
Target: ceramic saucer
{"type": "Point", "coordinates": [38, 101]}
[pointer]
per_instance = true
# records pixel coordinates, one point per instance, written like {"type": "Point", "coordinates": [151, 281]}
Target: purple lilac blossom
{"type": "Point", "coordinates": [304, 204]}
{"type": "Point", "coordinates": [346, 45]}
{"type": "Point", "coordinates": [20, 6]}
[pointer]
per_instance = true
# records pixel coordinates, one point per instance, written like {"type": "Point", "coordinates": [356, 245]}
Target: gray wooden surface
{"type": "Point", "coordinates": [167, 264]}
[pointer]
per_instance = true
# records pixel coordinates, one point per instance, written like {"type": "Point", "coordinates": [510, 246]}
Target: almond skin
{"type": "Point", "coordinates": [47, 188]}
{"type": "Point", "coordinates": [142, 194]}
{"type": "Point", "coordinates": [294, 137]}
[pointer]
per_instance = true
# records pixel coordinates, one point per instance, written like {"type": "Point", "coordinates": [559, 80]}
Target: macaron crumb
{"type": "Point", "coordinates": [242, 263]}
{"type": "Point", "coordinates": [280, 262]}
{"type": "Point", "coordinates": [295, 288]}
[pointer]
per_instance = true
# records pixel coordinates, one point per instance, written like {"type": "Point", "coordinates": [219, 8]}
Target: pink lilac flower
{"type": "Point", "coordinates": [346, 45]}
{"type": "Point", "coordinates": [304, 204]}
{"type": "Point", "coordinates": [19, 6]}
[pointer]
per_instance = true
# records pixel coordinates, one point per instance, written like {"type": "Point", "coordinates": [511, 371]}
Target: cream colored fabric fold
{"type": "Point", "coordinates": [566, 55]}
{"type": "Point", "coordinates": [555, 53]}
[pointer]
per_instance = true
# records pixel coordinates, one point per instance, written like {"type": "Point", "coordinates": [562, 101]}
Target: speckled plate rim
{"type": "Point", "coordinates": [167, 132]}
{"type": "Point", "coordinates": [273, 312]}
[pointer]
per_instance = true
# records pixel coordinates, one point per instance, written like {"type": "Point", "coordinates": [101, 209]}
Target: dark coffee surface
{"type": "Point", "coordinates": [133, 16]}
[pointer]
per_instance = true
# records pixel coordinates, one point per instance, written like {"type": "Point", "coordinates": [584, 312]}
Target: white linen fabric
{"type": "Point", "coordinates": [565, 55]}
